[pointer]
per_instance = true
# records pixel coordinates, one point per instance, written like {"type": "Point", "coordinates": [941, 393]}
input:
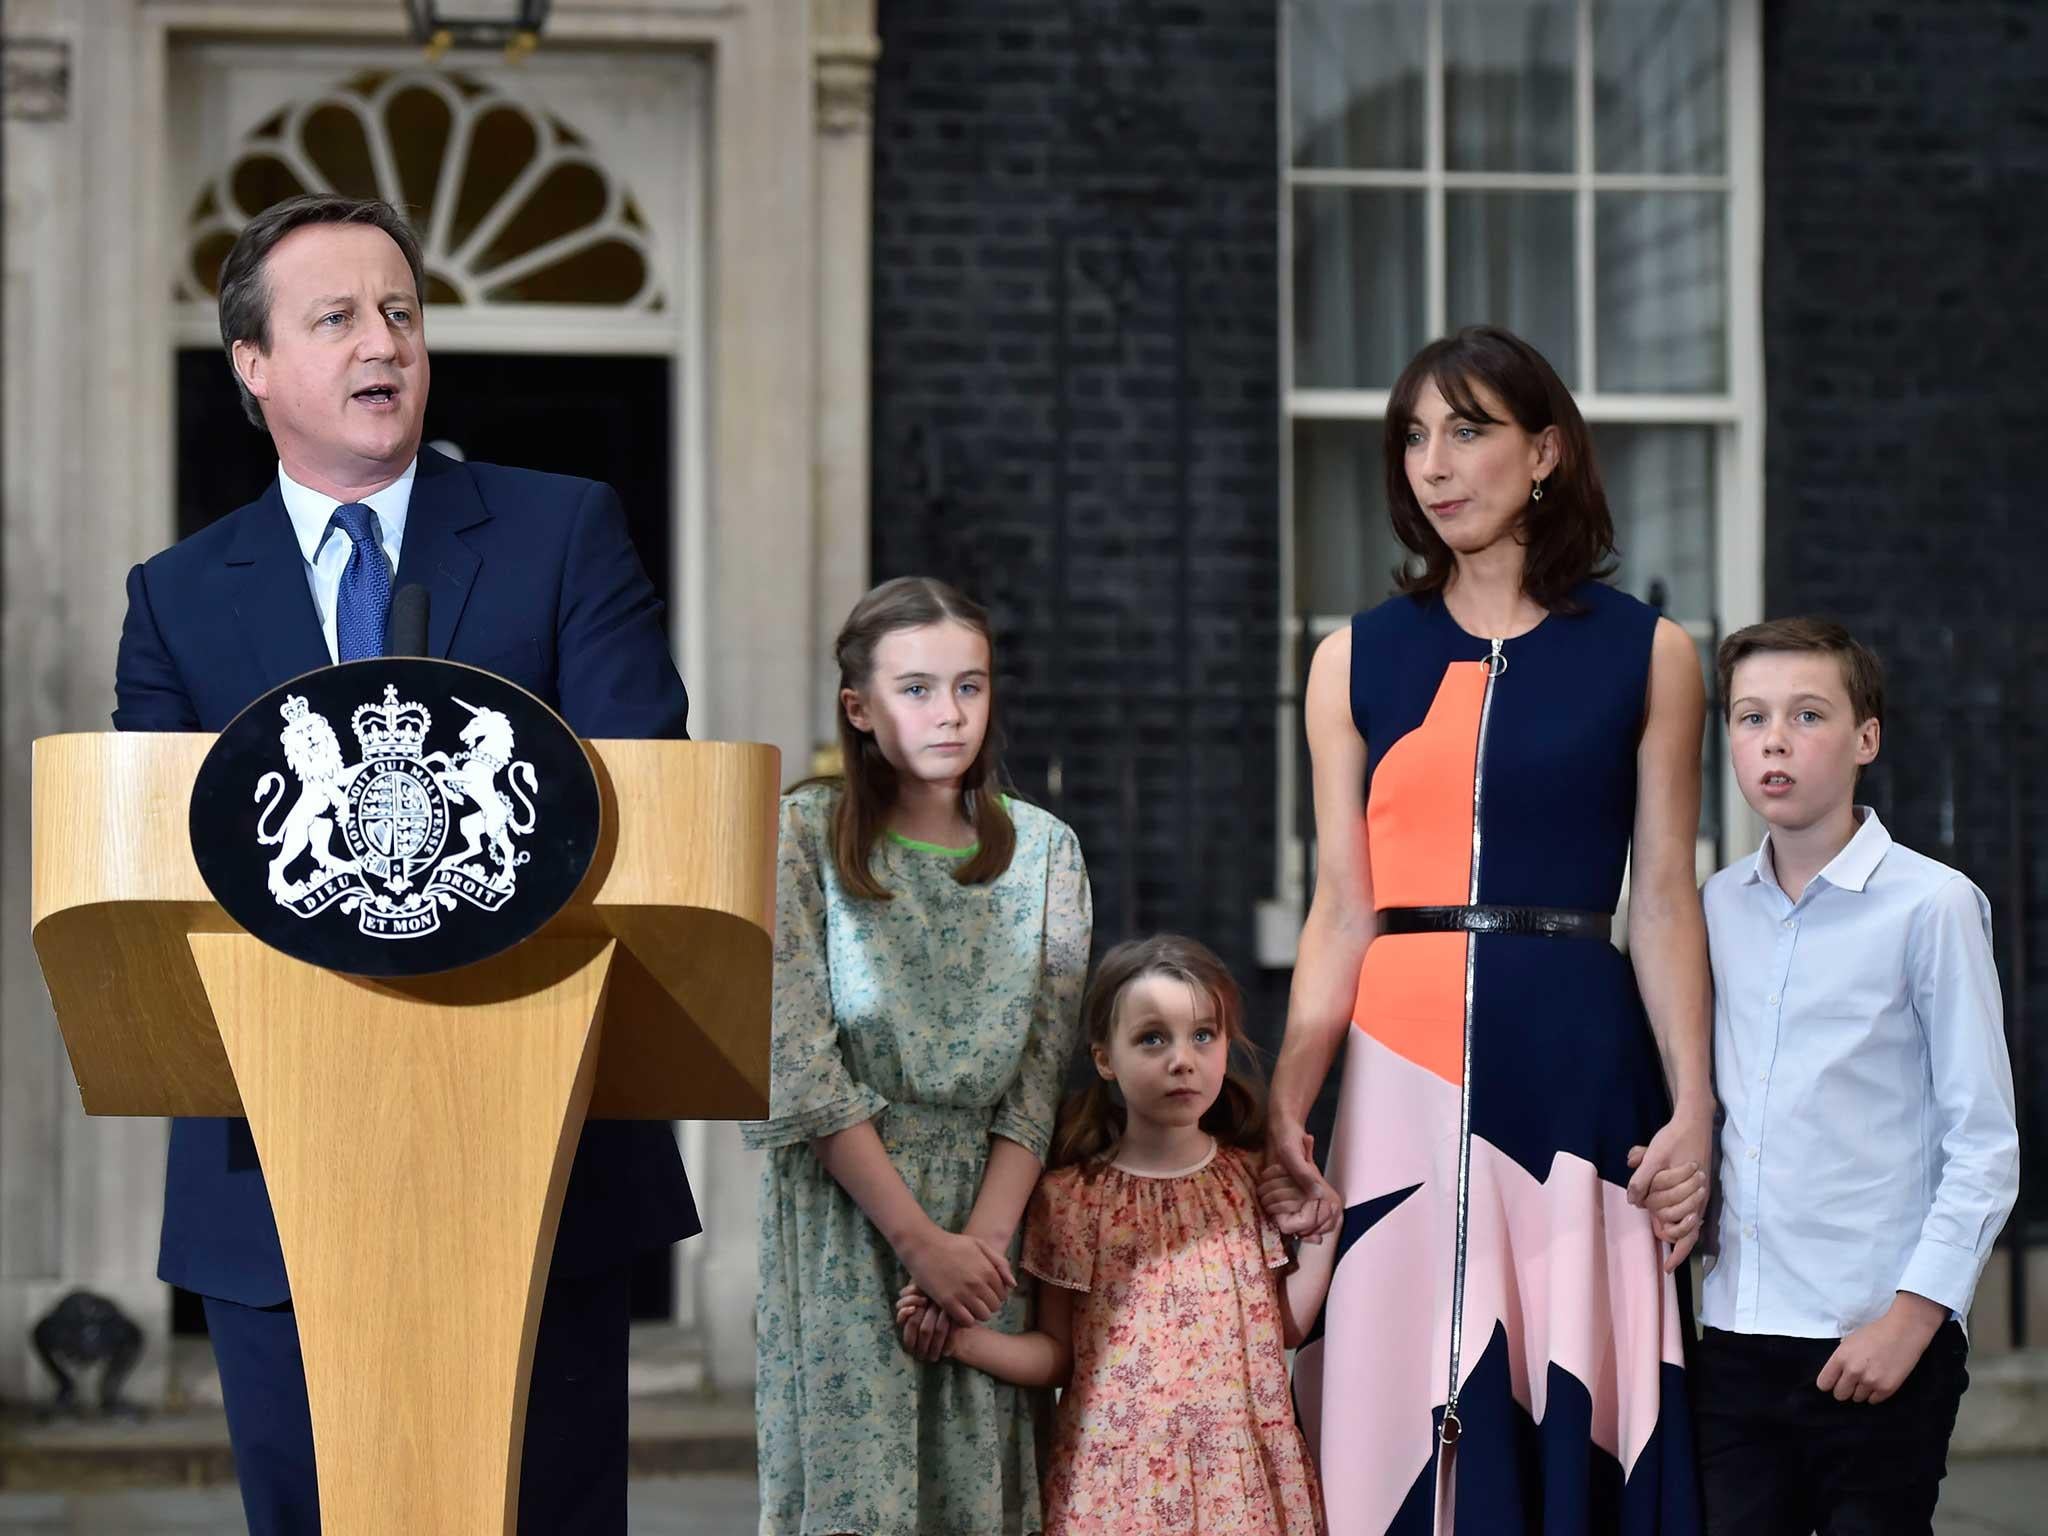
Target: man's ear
{"type": "Point", "coordinates": [1867, 736]}
{"type": "Point", "coordinates": [252, 367]}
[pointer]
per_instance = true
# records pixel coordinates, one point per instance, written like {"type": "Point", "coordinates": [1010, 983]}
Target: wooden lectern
{"type": "Point", "coordinates": [416, 1135]}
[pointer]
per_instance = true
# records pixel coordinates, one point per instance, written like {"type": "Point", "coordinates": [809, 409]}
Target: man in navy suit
{"type": "Point", "coordinates": [530, 576]}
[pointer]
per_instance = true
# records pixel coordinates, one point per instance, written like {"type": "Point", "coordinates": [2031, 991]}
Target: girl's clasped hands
{"type": "Point", "coordinates": [956, 1278]}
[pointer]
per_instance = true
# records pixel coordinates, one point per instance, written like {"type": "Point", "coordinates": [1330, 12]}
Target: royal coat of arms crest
{"type": "Point", "coordinates": [391, 812]}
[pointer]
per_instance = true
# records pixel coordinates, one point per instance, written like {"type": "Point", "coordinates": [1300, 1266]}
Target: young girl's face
{"type": "Point", "coordinates": [926, 701]}
{"type": "Point", "coordinates": [1167, 1051]}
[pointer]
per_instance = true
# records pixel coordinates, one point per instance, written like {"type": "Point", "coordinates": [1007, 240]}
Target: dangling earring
{"type": "Point", "coordinates": [1536, 491]}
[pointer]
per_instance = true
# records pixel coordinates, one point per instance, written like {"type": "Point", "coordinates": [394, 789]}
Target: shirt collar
{"type": "Point", "coordinates": [312, 511]}
{"type": "Point", "coordinates": [1849, 870]}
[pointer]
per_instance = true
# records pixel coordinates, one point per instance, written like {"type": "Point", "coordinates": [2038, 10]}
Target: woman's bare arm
{"type": "Point", "coordinates": [1334, 936]}
{"type": "Point", "coordinates": [1667, 933]}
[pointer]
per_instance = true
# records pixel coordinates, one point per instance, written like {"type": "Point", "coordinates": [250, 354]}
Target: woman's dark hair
{"type": "Point", "coordinates": [862, 814]}
{"type": "Point", "coordinates": [1569, 533]}
{"type": "Point", "coordinates": [245, 289]}
{"type": "Point", "coordinates": [1092, 1121]}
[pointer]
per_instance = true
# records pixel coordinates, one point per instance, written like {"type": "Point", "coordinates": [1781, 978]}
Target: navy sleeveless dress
{"type": "Point", "coordinates": [1490, 1270]}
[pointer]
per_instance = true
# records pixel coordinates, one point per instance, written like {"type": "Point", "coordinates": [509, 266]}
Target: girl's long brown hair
{"type": "Point", "coordinates": [1091, 1122]}
{"type": "Point", "coordinates": [862, 815]}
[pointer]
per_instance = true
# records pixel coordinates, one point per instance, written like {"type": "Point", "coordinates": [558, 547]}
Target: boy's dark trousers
{"type": "Point", "coordinates": [1780, 1457]}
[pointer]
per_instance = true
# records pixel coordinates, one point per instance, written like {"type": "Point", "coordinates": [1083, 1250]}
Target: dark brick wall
{"type": "Point", "coordinates": [1905, 240]}
{"type": "Point", "coordinates": [1076, 378]}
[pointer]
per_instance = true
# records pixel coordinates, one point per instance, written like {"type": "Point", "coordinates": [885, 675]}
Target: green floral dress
{"type": "Point", "coordinates": [946, 1016]}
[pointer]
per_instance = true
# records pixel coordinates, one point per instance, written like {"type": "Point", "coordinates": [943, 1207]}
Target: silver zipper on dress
{"type": "Point", "coordinates": [1496, 664]}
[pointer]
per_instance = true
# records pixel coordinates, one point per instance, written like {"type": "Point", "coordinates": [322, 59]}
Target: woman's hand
{"type": "Point", "coordinates": [1300, 1201]}
{"type": "Point", "coordinates": [1678, 1154]}
{"type": "Point", "coordinates": [1677, 1201]}
{"type": "Point", "coordinates": [927, 1332]}
{"type": "Point", "coordinates": [966, 1277]}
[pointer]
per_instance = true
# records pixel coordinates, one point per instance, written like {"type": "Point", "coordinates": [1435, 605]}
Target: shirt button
{"type": "Point", "coordinates": [1763, 1077]}
{"type": "Point", "coordinates": [1789, 923]}
{"type": "Point", "coordinates": [1772, 999]}
{"type": "Point", "coordinates": [1750, 1230]}
{"type": "Point", "coordinates": [1752, 1154]}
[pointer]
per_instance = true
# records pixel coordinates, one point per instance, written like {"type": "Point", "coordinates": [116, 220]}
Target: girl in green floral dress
{"type": "Point", "coordinates": [930, 949]}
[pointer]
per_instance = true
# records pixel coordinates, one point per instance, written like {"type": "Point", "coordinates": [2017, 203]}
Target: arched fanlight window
{"type": "Point", "coordinates": [511, 204]}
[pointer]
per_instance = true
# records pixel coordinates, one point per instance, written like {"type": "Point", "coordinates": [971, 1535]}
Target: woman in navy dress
{"type": "Point", "coordinates": [1502, 1348]}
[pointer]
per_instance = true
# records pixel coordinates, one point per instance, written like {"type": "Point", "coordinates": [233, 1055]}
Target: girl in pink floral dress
{"type": "Point", "coordinates": [1162, 1313]}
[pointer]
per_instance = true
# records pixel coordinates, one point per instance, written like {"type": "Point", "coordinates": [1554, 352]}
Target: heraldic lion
{"type": "Point", "coordinates": [313, 753]}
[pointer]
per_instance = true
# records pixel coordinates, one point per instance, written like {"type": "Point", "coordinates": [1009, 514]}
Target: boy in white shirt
{"type": "Point", "coordinates": [1868, 1150]}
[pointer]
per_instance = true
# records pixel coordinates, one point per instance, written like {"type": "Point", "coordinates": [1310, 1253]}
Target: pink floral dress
{"type": "Point", "coordinates": [1177, 1418]}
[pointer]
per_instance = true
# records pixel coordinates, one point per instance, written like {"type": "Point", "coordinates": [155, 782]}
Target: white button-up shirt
{"type": "Point", "coordinates": [327, 548]}
{"type": "Point", "coordinates": [1869, 1144]}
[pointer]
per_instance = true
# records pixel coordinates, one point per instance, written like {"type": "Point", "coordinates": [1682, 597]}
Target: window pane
{"type": "Point", "coordinates": [1355, 83]}
{"type": "Point", "coordinates": [1509, 263]}
{"type": "Point", "coordinates": [1661, 277]}
{"type": "Point", "coordinates": [1660, 487]}
{"type": "Point", "coordinates": [1344, 546]}
{"type": "Point", "coordinates": [1358, 294]}
{"type": "Point", "coordinates": [1660, 86]}
{"type": "Point", "coordinates": [1508, 84]}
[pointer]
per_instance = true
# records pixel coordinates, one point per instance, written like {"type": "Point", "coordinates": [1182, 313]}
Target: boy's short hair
{"type": "Point", "coordinates": [1862, 672]}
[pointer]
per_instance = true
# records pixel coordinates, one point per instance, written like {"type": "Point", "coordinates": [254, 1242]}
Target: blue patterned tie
{"type": "Point", "coordinates": [365, 587]}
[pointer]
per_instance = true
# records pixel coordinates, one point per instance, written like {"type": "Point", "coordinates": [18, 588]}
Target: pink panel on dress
{"type": "Point", "coordinates": [1567, 1265]}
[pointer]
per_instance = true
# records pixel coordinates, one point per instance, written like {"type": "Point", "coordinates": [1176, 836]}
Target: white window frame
{"type": "Point", "coordinates": [1736, 414]}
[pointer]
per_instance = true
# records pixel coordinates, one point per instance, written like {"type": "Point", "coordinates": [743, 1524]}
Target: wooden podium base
{"type": "Point", "coordinates": [416, 1138]}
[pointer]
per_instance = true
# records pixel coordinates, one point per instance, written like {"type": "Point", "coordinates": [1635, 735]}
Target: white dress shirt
{"type": "Point", "coordinates": [1869, 1143]}
{"type": "Point", "coordinates": [327, 548]}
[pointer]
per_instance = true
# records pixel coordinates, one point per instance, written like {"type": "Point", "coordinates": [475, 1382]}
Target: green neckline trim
{"type": "Point", "coordinates": [952, 853]}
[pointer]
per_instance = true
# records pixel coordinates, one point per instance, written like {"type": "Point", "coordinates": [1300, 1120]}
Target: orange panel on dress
{"type": "Point", "coordinates": [1419, 819]}
{"type": "Point", "coordinates": [1411, 998]}
{"type": "Point", "coordinates": [1411, 989]}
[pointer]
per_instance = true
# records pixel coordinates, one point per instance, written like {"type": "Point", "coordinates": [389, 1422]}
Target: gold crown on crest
{"type": "Point", "coordinates": [391, 729]}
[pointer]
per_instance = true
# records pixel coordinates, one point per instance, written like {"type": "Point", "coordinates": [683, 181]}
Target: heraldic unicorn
{"type": "Point", "coordinates": [392, 811]}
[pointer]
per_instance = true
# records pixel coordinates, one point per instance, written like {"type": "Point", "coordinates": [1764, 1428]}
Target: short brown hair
{"type": "Point", "coordinates": [869, 791]}
{"type": "Point", "coordinates": [1862, 672]}
{"type": "Point", "coordinates": [245, 291]}
{"type": "Point", "coordinates": [1091, 1122]}
{"type": "Point", "coordinates": [1569, 532]}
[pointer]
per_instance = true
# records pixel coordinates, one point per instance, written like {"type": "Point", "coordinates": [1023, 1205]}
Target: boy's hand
{"type": "Point", "coordinates": [1685, 1142]}
{"type": "Point", "coordinates": [1873, 1362]}
{"type": "Point", "coordinates": [927, 1331]}
{"type": "Point", "coordinates": [1677, 1201]}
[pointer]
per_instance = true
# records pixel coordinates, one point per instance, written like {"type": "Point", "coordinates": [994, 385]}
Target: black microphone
{"type": "Point", "coordinates": [405, 631]}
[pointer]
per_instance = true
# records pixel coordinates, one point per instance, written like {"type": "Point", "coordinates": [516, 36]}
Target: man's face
{"type": "Point", "coordinates": [343, 382]}
{"type": "Point", "coordinates": [1793, 737]}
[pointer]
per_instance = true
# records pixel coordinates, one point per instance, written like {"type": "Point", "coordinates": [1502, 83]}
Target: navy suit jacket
{"type": "Point", "coordinates": [530, 576]}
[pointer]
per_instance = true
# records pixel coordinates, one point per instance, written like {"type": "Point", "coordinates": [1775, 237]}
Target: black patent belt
{"type": "Point", "coordinates": [1545, 922]}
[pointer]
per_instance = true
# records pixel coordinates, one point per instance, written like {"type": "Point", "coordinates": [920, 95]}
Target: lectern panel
{"type": "Point", "coordinates": [683, 877]}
